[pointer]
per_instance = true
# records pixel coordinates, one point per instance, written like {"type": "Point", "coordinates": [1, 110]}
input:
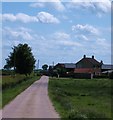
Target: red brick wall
{"type": "Point", "coordinates": [95, 71]}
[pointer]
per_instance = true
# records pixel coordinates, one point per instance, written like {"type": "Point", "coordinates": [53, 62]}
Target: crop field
{"type": "Point", "coordinates": [81, 98]}
{"type": "Point", "coordinates": [9, 80]}
{"type": "Point", "coordinates": [14, 85]}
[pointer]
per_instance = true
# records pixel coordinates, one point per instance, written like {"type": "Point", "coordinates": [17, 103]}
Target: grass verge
{"type": "Point", "coordinates": [81, 98]}
{"type": "Point", "coordinates": [9, 81]}
{"type": "Point", "coordinates": [10, 93]}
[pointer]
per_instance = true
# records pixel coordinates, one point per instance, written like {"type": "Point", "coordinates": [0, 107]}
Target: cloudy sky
{"type": "Point", "coordinates": [58, 31]}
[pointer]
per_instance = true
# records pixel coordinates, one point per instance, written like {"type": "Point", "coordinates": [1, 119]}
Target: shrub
{"type": "Point", "coordinates": [72, 114]}
{"type": "Point", "coordinates": [101, 76]}
{"type": "Point", "coordinates": [85, 114]}
{"type": "Point", "coordinates": [7, 72]}
{"type": "Point", "coordinates": [111, 75]}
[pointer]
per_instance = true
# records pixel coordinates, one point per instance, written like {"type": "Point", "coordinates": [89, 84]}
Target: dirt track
{"type": "Point", "coordinates": [32, 103]}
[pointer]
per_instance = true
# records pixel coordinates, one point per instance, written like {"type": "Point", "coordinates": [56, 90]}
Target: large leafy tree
{"type": "Point", "coordinates": [44, 67]}
{"type": "Point", "coordinates": [21, 59]}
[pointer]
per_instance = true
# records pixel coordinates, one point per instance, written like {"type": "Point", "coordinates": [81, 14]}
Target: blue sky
{"type": "Point", "coordinates": [58, 31]}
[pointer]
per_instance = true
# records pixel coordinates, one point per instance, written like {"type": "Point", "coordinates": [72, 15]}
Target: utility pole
{"type": "Point", "coordinates": [53, 64]}
{"type": "Point", "coordinates": [38, 65]}
{"type": "Point", "coordinates": [14, 61]}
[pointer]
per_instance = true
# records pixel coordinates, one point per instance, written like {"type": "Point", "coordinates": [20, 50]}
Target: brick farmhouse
{"type": "Point", "coordinates": [86, 65]}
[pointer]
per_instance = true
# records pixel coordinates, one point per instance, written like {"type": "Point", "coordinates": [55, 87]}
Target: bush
{"type": "Point", "coordinates": [111, 75]}
{"type": "Point", "coordinates": [101, 76]}
{"type": "Point", "coordinates": [72, 114]}
{"type": "Point", "coordinates": [86, 114]}
{"type": "Point", "coordinates": [11, 81]}
{"type": "Point", "coordinates": [7, 72]}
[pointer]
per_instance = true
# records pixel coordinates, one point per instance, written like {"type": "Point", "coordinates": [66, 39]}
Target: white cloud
{"type": "Point", "coordinates": [65, 39]}
{"type": "Point", "coordinates": [17, 34]}
{"type": "Point", "coordinates": [26, 18]}
{"type": "Point", "coordinates": [9, 17]}
{"type": "Point", "coordinates": [102, 42]}
{"type": "Point", "coordinates": [103, 6]}
{"type": "Point", "coordinates": [38, 5]}
{"type": "Point", "coordinates": [19, 17]}
{"type": "Point", "coordinates": [102, 47]}
{"type": "Point", "coordinates": [71, 43]}
{"type": "Point", "coordinates": [81, 37]}
{"type": "Point", "coordinates": [44, 43]}
{"type": "Point", "coordinates": [45, 17]}
{"type": "Point", "coordinates": [24, 29]}
{"type": "Point", "coordinates": [84, 37]}
{"type": "Point", "coordinates": [61, 36]}
{"type": "Point", "coordinates": [87, 29]}
{"type": "Point", "coordinates": [57, 4]}
{"type": "Point", "coordinates": [98, 7]}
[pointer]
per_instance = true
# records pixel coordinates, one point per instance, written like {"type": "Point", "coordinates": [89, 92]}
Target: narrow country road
{"type": "Point", "coordinates": [32, 103]}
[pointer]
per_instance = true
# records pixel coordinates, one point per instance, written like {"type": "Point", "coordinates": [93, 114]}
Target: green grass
{"type": "Point", "coordinates": [81, 98]}
{"type": "Point", "coordinates": [10, 81]}
{"type": "Point", "coordinates": [14, 87]}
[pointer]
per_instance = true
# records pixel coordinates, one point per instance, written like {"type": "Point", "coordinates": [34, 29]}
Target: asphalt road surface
{"type": "Point", "coordinates": [32, 103]}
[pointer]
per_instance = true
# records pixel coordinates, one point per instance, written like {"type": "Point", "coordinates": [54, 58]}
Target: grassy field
{"type": "Point", "coordinates": [12, 86]}
{"type": "Point", "coordinates": [81, 98]}
{"type": "Point", "coordinates": [9, 81]}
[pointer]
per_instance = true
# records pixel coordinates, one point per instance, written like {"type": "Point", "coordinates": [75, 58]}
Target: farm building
{"type": "Point", "coordinates": [88, 65]}
{"type": "Point", "coordinates": [106, 68]}
{"type": "Point", "coordinates": [68, 66]}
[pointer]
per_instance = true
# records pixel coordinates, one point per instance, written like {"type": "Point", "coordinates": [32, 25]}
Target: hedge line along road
{"type": "Point", "coordinates": [32, 103]}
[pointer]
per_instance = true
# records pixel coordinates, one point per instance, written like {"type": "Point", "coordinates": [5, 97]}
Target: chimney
{"type": "Point", "coordinates": [84, 56]}
{"type": "Point", "coordinates": [92, 56]}
{"type": "Point", "coordinates": [101, 62]}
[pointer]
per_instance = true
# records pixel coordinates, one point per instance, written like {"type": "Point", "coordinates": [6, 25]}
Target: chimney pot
{"type": "Point", "coordinates": [101, 62]}
{"type": "Point", "coordinates": [92, 56]}
{"type": "Point", "coordinates": [84, 56]}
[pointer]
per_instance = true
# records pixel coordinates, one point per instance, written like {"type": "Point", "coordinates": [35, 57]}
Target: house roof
{"type": "Point", "coordinates": [107, 67]}
{"type": "Point", "coordinates": [91, 60]}
{"type": "Point", "coordinates": [70, 65]}
{"type": "Point", "coordinates": [108, 71]}
{"type": "Point", "coordinates": [67, 65]}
